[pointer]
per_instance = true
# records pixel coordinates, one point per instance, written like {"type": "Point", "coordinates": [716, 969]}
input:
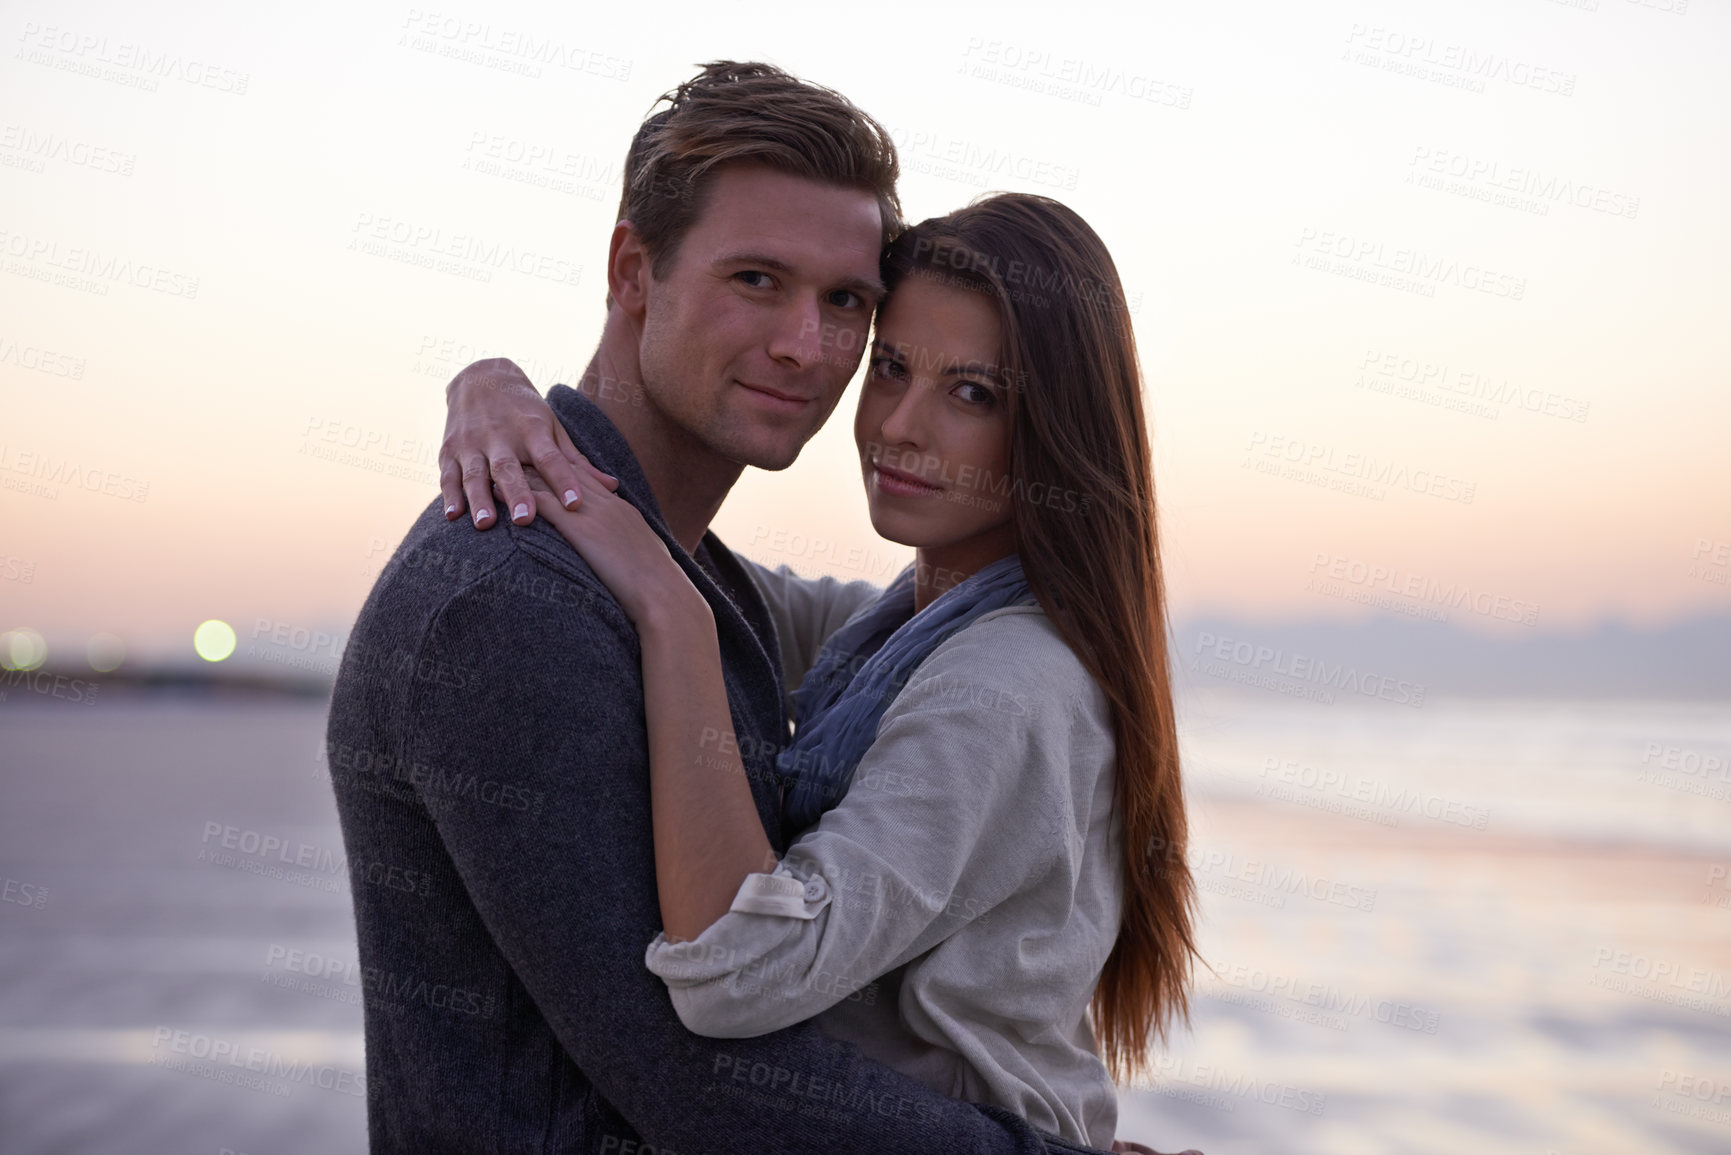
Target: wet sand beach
{"type": "Point", "coordinates": [1499, 927]}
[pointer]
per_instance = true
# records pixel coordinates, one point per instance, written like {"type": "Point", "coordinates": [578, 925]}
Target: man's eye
{"type": "Point", "coordinates": [754, 278]}
{"type": "Point", "coordinates": [846, 299]}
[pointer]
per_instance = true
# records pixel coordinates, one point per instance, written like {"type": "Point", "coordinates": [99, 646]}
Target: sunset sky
{"type": "Point", "coordinates": [1382, 258]}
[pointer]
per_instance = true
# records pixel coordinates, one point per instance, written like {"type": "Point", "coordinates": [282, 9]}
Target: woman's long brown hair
{"type": "Point", "coordinates": [1082, 491]}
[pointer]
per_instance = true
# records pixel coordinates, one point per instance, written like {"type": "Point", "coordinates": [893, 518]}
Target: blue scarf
{"type": "Point", "coordinates": [861, 670]}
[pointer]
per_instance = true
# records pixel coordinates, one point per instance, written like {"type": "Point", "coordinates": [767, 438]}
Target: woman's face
{"type": "Point", "coordinates": [933, 429]}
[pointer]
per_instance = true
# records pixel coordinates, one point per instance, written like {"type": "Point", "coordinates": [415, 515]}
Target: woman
{"type": "Point", "coordinates": [999, 905]}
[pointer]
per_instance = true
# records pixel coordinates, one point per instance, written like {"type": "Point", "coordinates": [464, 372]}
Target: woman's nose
{"type": "Point", "coordinates": [905, 423]}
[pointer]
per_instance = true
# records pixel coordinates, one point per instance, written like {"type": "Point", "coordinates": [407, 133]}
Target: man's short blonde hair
{"type": "Point", "coordinates": [750, 113]}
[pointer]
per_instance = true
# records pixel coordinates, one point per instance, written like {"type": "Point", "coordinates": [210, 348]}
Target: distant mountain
{"type": "Point", "coordinates": [1690, 659]}
{"type": "Point", "coordinates": [1391, 658]}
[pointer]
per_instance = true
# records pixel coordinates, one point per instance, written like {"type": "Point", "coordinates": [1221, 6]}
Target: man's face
{"type": "Point", "coordinates": [753, 333]}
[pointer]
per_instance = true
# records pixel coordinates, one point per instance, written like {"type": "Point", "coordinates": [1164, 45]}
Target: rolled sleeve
{"type": "Point", "coordinates": [782, 893]}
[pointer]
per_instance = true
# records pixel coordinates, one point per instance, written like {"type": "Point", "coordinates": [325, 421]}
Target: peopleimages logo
{"type": "Point", "coordinates": [1217, 871]}
{"type": "Point", "coordinates": [41, 360]}
{"type": "Point", "coordinates": [1380, 369]}
{"type": "Point", "coordinates": [1037, 69]}
{"type": "Point", "coordinates": [1695, 980]}
{"type": "Point", "coordinates": [1329, 571]}
{"type": "Point", "coordinates": [463, 254]}
{"type": "Point", "coordinates": [1541, 187]}
{"type": "Point", "coordinates": [53, 471]}
{"type": "Point", "coordinates": [1280, 455]}
{"type": "Point", "coordinates": [122, 61]}
{"type": "Point", "coordinates": [1409, 267]}
{"type": "Point", "coordinates": [1329, 1001]}
{"type": "Point", "coordinates": [42, 146]}
{"type": "Point", "coordinates": [169, 1044]}
{"type": "Point", "coordinates": [970, 162]}
{"type": "Point", "coordinates": [1298, 674]}
{"type": "Point", "coordinates": [90, 268]}
{"type": "Point", "coordinates": [1460, 65]}
{"type": "Point", "coordinates": [1231, 1087]}
{"type": "Point", "coordinates": [507, 49]}
{"type": "Point", "coordinates": [1284, 777]}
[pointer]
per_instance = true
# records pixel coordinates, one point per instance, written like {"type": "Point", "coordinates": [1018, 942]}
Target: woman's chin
{"type": "Point", "coordinates": [893, 528]}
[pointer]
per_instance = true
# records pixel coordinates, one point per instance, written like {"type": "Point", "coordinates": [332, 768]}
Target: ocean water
{"type": "Point", "coordinates": [1490, 926]}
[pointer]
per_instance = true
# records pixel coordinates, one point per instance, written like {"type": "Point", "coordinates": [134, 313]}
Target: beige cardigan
{"type": "Point", "coordinates": [951, 915]}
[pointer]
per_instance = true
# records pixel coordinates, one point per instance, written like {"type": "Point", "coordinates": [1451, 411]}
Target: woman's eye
{"type": "Point", "coordinates": [974, 393]}
{"type": "Point", "coordinates": [754, 278]}
{"type": "Point", "coordinates": [888, 367]}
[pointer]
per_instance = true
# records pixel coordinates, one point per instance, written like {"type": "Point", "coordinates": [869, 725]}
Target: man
{"type": "Point", "coordinates": [486, 738]}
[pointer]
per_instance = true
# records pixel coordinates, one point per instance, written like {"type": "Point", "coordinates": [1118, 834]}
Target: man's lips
{"type": "Point", "coordinates": [904, 484]}
{"type": "Point", "coordinates": [776, 398]}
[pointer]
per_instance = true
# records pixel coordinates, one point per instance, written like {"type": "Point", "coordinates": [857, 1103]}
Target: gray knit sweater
{"type": "Point", "coordinates": [490, 765]}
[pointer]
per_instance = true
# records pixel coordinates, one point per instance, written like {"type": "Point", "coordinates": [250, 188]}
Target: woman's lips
{"type": "Point", "coordinates": [901, 484]}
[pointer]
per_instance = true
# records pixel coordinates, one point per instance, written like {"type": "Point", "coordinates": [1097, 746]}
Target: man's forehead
{"type": "Point", "coordinates": [796, 222]}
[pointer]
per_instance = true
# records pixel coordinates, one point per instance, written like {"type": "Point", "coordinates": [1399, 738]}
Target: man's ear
{"type": "Point", "coordinates": [628, 270]}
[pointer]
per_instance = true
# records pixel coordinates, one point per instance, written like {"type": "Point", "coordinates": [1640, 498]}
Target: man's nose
{"type": "Point", "coordinates": [798, 337]}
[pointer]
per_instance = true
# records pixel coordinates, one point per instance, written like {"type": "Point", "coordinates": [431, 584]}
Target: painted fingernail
{"type": "Point", "coordinates": [521, 511]}
{"type": "Point", "coordinates": [450, 511]}
{"type": "Point", "coordinates": [570, 498]}
{"type": "Point", "coordinates": [482, 515]}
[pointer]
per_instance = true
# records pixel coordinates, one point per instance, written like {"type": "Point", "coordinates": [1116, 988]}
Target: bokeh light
{"type": "Point", "coordinates": [214, 640]}
{"type": "Point", "coordinates": [106, 652]}
{"type": "Point", "coordinates": [22, 649]}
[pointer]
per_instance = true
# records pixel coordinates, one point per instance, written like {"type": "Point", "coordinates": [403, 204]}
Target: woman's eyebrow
{"type": "Point", "coordinates": [973, 368]}
{"type": "Point", "coordinates": [977, 368]}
